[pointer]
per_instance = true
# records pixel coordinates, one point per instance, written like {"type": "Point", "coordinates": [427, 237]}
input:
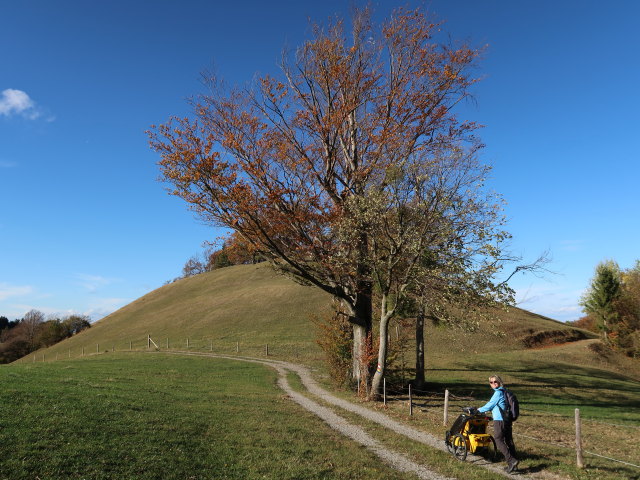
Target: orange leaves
{"type": "Point", "coordinates": [281, 163]}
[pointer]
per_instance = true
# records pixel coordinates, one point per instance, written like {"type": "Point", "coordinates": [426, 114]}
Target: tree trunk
{"type": "Point", "coordinates": [419, 380]}
{"type": "Point", "coordinates": [605, 330]}
{"type": "Point", "coordinates": [359, 344]}
{"type": "Point", "coordinates": [376, 383]}
{"type": "Point", "coordinates": [362, 323]}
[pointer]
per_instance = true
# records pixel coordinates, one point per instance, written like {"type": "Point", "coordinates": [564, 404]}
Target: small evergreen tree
{"type": "Point", "coordinates": [600, 298]}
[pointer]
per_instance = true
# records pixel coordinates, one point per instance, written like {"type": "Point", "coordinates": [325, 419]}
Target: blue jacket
{"type": "Point", "coordinates": [496, 402]}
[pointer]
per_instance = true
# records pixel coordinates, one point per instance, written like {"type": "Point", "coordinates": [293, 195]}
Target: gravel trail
{"type": "Point", "coordinates": [397, 460]}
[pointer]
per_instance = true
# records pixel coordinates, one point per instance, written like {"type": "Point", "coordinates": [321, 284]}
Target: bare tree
{"type": "Point", "coordinates": [31, 322]}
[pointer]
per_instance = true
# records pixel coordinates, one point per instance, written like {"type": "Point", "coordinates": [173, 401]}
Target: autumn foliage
{"type": "Point", "coordinates": [348, 167]}
{"type": "Point", "coordinates": [334, 338]}
{"type": "Point", "coordinates": [234, 250]}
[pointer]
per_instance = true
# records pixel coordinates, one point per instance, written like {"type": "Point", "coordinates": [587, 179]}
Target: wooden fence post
{"type": "Point", "coordinates": [579, 459]}
{"type": "Point", "coordinates": [410, 402]}
{"type": "Point", "coordinates": [148, 341]}
{"type": "Point", "coordinates": [266, 350]}
{"type": "Point", "coordinates": [130, 345]}
{"type": "Point", "coordinates": [187, 342]}
{"type": "Point", "coordinates": [446, 407]}
{"type": "Point", "coordinates": [384, 390]}
{"type": "Point", "coordinates": [83, 351]}
{"type": "Point", "coordinates": [237, 347]}
{"type": "Point", "coordinates": [97, 348]}
{"type": "Point", "coordinates": [167, 344]}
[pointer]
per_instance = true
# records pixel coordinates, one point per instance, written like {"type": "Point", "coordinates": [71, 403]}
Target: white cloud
{"type": "Point", "coordinates": [19, 103]}
{"type": "Point", "coordinates": [8, 291]}
{"type": "Point", "coordinates": [102, 307]}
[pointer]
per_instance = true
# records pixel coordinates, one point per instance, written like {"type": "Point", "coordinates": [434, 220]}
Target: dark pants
{"type": "Point", "coordinates": [503, 435]}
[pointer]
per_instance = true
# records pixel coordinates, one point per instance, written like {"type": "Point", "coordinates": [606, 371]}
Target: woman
{"type": "Point", "coordinates": [502, 430]}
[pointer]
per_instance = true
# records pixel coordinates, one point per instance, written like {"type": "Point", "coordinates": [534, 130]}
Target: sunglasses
{"type": "Point", "coordinates": [493, 383]}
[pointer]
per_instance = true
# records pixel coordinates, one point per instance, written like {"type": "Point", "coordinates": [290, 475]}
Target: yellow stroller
{"type": "Point", "coordinates": [468, 434]}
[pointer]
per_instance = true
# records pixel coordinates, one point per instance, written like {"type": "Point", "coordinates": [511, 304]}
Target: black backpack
{"type": "Point", "coordinates": [512, 407]}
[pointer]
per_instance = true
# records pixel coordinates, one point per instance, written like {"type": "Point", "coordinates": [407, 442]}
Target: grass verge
{"type": "Point", "coordinates": [549, 390]}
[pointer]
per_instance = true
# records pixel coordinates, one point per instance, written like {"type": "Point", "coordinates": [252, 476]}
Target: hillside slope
{"type": "Point", "coordinates": [248, 307]}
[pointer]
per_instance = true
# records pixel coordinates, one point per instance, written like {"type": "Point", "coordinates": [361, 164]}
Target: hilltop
{"type": "Point", "coordinates": [245, 305]}
{"type": "Point", "coordinates": [249, 307]}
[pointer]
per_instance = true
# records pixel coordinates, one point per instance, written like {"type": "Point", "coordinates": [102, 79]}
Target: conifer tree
{"type": "Point", "coordinates": [600, 298]}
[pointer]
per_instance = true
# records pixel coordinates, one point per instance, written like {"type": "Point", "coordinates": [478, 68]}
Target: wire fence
{"type": "Point", "coordinates": [292, 351]}
{"type": "Point", "coordinates": [406, 396]}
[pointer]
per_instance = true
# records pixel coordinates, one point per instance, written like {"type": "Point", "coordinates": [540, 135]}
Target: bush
{"type": "Point", "coordinates": [335, 339]}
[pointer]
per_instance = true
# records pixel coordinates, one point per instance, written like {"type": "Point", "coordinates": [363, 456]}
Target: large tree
{"type": "Point", "coordinates": [348, 169]}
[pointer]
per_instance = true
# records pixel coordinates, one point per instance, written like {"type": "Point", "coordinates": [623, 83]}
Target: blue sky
{"type": "Point", "coordinates": [85, 227]}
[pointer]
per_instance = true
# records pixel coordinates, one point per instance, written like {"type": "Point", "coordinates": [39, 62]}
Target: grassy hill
{"type": "Point", "coordinates": [247, 307]}
{"type": "Point", "coordinates": [554, 368]}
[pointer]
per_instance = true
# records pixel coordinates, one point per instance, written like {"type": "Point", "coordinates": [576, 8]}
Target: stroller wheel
{"type": "Point", "coordinates": [459, 447]}
{"type": "Point", "coordinates": [447, 441]}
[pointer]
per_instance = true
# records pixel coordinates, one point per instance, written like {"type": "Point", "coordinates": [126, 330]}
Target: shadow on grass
{"type": "Point", "coordinates": [533, 463]}
{"type": "Point", "coordinates": [539, 384]}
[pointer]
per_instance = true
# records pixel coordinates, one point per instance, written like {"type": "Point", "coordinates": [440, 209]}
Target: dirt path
{"type": "Point", "coordinates": [397, 460]}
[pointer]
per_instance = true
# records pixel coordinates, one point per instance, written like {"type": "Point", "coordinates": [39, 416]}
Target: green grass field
{"type": "Point", "coordinates": [165, 412]}
{"type": "Point", "coordinates": [138, 416]}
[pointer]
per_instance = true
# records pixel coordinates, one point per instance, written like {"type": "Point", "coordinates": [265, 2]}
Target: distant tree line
{"type": "Point", "coordinates": [612, 307]}
{"type": "Point", "coordinates": [234, 251]}
{"type": "Point", "coordinates": [22, 336]}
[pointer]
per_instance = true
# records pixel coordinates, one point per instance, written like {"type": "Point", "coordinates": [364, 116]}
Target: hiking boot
{"type": "Point", "coordinates": [511, 466]}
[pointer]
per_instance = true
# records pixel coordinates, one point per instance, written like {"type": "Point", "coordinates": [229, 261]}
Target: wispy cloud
{"type": "Point", "coordinates": [8, 291]}
{"type": "Point", "coordinates": [551, 301]}
{"type": "Point", "coordinates": [94, 282]}
{"type": "Point", "coordinates": [572, 245]}
{"type": "Point", "coordinates": [17, 102]}
{"type": "Point", "coordinates": [7, 164]}
{"type": "Point", "coordinates": [102, 307]}
{"type": "Point", "coordinates": [96, 309]}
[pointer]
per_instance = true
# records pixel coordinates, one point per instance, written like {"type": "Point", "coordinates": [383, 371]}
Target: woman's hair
{"type": "Point", "coordinates": [496, 378]}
